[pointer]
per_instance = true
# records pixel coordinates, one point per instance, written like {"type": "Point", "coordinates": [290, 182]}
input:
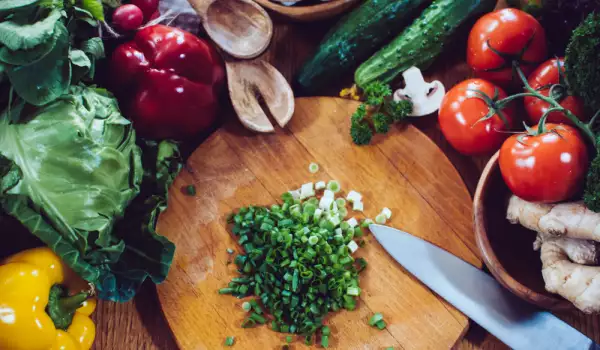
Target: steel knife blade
{"type": "Point", "coordinates": [479, 296]}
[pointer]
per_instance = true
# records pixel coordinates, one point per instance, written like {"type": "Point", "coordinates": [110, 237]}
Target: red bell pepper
{"type": "Point", "coordinates": [168, 82]}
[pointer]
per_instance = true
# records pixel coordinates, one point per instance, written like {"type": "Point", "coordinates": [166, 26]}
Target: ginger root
{"type": "Point", "coordinates": [578, 284]}
{"type": "Point", "coordinates": [571, 220]}
{"type": "Point", "coordinates": [579, 251]}
{"type": "Point", "coordinates": [568, 236]}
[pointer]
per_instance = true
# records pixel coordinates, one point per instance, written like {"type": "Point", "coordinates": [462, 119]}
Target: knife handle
{"type": "Point", "coordinates": [594, 346]}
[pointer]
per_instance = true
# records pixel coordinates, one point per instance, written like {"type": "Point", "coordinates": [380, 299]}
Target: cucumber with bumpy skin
{"type": "Point", "coordinates": [354, 39]}
{"type": "Point", "coordinates": [421, 42]}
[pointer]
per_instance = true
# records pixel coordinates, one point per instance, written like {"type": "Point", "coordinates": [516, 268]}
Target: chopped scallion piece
{"type": "Point", "coordinates": [325, 341]}
{"type": "Point", "coordinates": [381, 325]}
{"type": "Point", "coordinates": [366, 222]}
{"type": "Point", "coordinates": [288, 339]}
{"type": "Point", "coordinates": [190, 190]}
{"type": "Point", "coordinates": [246, 306]}
{"type": "Point", "coordinates": [312, 240]}
{"type": "Point", "coordinates": [341, 202]}
{"type": "Point", "coordinates": [229, 341]}
{"type": "Point", "coordinates": [334, 186]}
{"type": "Point", "coordinates": [380, 219]}
{"type": "Point", "coordinates": [230, 251]}
{"type": "Point", "coordinates": [387, 213]}
{"type": "Point", "coordinates": [313, 168]}
{"type": "Point", "coordinates": [354, 196]}
{"type": "Point", "coordinates": [375, 318]}
{"type": "Point", "coordinates": [358, 206]}
{"type": "Point", "coordinates": [352, 222]}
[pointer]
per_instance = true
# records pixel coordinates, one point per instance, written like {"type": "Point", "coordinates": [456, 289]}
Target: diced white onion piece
{"type": "Point", "coordinates": [358, 206]}
{"type": "Point", "coordinates": [386, 212]}
{"type": "Point", "coordinates": [352, 222]}
{"type": "Point", "coordinates": [335, 220]}
{"type": "Point", "coordinates": [307, 190]}
{"type": "Point", "coordinates": [338, 231]}
{"type": "Point", "coordinates": [306, 229]}
{"type": "Point", "coordinates": [368, 221]}
{"type": "Point", "coordinates": [318, 213]}
{"type": "Point", "coordinates": [320, 185]}
{"type": "Point", "coordinates": [325, 203]}
{"type": "Point", "coordinates": [295, 194]}
{"type": "Point", "coordinates": [329, 194]}
{"type": "Point", "coordinates": [352, 246]}
{"type": "Point", "coordinates": [334, 207]}
{"type": "Point", "coordinates": [354, 196]}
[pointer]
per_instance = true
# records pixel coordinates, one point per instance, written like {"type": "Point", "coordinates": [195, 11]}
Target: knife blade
{"type": "Point", "coordinates": [479, 296]}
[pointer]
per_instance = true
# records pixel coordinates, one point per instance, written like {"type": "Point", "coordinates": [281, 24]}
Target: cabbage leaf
{"type": "Point", "coordinates": [73, 174]}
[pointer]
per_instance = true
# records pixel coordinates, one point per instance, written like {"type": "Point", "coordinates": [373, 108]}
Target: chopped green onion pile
{"type": "Point", "coordinates": [297, 263]}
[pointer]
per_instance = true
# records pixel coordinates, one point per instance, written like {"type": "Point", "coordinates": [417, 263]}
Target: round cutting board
{"type": "Point", "coordinates": [402, 170]}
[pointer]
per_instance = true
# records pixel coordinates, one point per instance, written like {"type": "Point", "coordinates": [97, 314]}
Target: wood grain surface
{"type": "Point", "coordinates": [235, 167]}
{"type": "Point", "coordinates": [140, 324]}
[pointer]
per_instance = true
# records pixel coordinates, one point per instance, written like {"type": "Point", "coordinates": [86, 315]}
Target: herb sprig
{"type": "Point", "coordinates": [377, 113]}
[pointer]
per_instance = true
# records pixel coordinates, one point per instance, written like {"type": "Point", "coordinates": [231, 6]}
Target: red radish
{"type": "Point", "coordinates": [148, 7]}
{"type": "Point", "coordinates": [128, 17]}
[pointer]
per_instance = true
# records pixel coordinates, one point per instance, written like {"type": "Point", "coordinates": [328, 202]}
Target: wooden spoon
{"type": "Point", "coordinates": [247, 80]}
{"type": "Point", "coordinates": [241, 28]}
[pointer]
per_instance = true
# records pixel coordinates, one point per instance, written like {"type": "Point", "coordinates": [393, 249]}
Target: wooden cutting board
{"type": "Point", "coordinates": [404, 171]}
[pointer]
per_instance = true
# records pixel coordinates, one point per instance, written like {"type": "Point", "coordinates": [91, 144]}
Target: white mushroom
{"type": "Point", "coordinates": [426, 97]}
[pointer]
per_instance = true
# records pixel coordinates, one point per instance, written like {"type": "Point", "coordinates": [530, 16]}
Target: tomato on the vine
{"type": "Point", "coordinates": [468, 122]}
{"type": "Point", "coordinates": [545, 76]}
{"type": "Point", "coordinates": [501, 38]}
{"type": "Point", "coordinates": [546, 168]}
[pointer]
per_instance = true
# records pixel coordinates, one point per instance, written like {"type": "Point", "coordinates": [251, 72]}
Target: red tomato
{"type": "Point", "coordinates": [541, 79]}
{"type": "Point", "coordinates": [547, 168]}
{"type": "Point", "coordinates": [148, 7]}
{"type": "Point", "coordinates": [461, 114]}
{"type": "Point", "coordinates": [128, 17]}
{"type": "Point", "coordinates": [516, 35]}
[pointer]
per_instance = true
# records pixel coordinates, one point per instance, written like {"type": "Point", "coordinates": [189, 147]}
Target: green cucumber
{"type": "Point", "coordinates": [354, 39]}
{"type": "Point", "coordinates": [421, 42]}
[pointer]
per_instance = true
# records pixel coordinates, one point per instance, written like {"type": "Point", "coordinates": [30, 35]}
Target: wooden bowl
{"type": "Point", "coordinates": [310, 12]}
{"type": "Point", "coordinates": [507, 249]}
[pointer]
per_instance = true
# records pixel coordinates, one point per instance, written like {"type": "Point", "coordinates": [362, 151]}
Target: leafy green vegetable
{"type": "Point", "coordinates": [79, 168]}
{"type": "Point", "coordinates": [40, 88]}
{"type": "Point", "coordinates": [361, 133]}
{"type": "Point", "coordinates": [398, 110]}
{"type": "Point", "coordinates": [94, 7]}
{"type": "Point", "coordinates": [112, 3]}
{"type": "Point", "coordinates": [376, 93]}
{"type": "Point", "coordinates": [7, 5]}
{"type": "Point", "coordinates": [591, 193]}
{"type": "Point", "coordinates": [381, 123]}
{"type": "Point", "coordinates": [47, 50]}
{"type": "Point", "coordinates": [17, 34]}
{"type": "Point", "coordinates": [582, 70]}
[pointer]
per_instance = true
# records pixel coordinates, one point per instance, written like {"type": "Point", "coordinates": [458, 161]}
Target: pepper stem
{"type": "Point", "coordinates": [61, 306]}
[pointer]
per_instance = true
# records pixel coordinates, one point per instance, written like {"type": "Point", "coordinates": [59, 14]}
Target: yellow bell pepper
{"type": "Point", "coordinates": [43, 304]}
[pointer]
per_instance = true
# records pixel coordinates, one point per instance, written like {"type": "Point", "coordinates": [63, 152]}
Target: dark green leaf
{"type": "Point", "coordinates": [81, 64]}
{"type": "Point", "coordinates": [94, 7]}
{"type": "Point", "coordinates": [26, 57]}
{"type": "Point", "coordinates": [11, 5]}
{"type": "Point", "coordinates": [94, 47]}
{"type": "Point", "coordinates": [46, 79]}
{"type": "Point", "coordinates": [86, 16]}
{"type": "Point", "coordinates": [19, 35]}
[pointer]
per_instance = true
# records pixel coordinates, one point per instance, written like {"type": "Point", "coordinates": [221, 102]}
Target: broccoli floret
{"type": "Point", "coordinates": [381, 123]}
{"type": "Point", "coordinates": [591, 194]}
{"type": "Point", "coordinates": [376, 93]}
{"type": "Point", "coordinates": [581, 61]}
{"type": "Point", "coordinates": [398, 110]}
{"type": "Point", "coordinates": [361, 133]}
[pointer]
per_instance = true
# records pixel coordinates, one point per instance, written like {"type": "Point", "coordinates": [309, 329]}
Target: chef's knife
{"type": "Point", "coordinates": [479, 296]}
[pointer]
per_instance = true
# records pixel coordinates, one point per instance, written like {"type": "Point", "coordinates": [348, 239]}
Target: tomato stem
{"type": "Point", "coordinates": [585, 128]}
